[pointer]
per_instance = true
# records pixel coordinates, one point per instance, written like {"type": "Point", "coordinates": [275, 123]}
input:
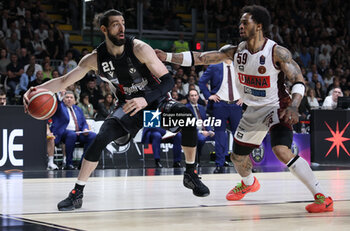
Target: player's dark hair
{"type": "Point", "coordinates": [259, 14]}
{"type": "Point", "coordinates": [104, 18]}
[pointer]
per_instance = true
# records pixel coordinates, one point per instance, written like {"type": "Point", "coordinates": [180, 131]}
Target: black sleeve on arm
{"type": "Point", "coordinates": [166, 84]}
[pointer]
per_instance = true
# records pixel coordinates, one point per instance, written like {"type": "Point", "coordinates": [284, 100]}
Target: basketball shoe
{"type": "Point", "coordinates": [241, 190]}
{"type": "Point", "coordinates": [73, 201]}
{"type": "Point", "coordinates": [52, 166]}
{"type": "Point", "coordinates": [321, 204]}
{"type": "Point", "coordinates": [192, 181]}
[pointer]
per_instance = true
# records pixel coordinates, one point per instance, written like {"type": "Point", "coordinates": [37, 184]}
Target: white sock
{"type": "Point", "coordinates": [301, 169]}
{"type": "Point", "coordinates": [80, 182]}
{"type": "Point", "coordinates": [189, 162]}
{"type": "Point", "coordinates": [50, 159]}
{"type": "Point", "coordinates": [248, 180]}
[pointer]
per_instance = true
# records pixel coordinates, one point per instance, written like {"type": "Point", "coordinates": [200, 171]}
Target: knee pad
{"type": "Point", "coordinates": [93, 152]}
{"type": "Point", "coordinates": [281, 135]}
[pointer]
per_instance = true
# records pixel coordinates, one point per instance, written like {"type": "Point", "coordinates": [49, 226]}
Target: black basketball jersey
{"type": "Point", "coordinates": [130, 77]}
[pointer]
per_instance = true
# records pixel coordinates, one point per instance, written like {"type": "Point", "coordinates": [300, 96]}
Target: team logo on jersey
{"type": "Point", "coordinates": [241, 67]}
{"type": "Point", "coordinates": [262, 60]}
{"type": "Point", "coordinates": [111, 73]}
{"type": "Point", "coordinates": [132, 70]}
{"type": "Point", "coordinates": [254, 80]}
{"type": "Point", "coordinates": [262, 70]}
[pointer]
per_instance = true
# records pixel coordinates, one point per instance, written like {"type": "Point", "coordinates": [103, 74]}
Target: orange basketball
{"type": "Point", "coordinates": [42, 104]}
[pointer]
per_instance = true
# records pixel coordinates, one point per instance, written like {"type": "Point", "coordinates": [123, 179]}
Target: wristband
{"type": "Point", "coordinates": [169, 56]}
{"type": "Point", "coordinates": [298, 88]}
{"type": "Point", "coordinates": [186, 58]}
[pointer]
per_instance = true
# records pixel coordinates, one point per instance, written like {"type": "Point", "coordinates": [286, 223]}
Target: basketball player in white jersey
{"type": "Point", "coordinates": [260, 66]}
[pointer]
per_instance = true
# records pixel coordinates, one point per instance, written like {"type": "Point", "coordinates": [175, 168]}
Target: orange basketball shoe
{"type": "Point", "coordinates": [321, 204]}
{"type": "Point", "coordinates": [241, 190]}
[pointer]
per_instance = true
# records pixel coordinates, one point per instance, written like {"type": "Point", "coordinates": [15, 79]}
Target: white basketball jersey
{"type": "Point", "coordinates": [257, 78]}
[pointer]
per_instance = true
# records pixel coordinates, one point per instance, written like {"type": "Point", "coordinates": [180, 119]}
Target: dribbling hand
{"type": "Point", "coordinates": [135, 105]}
{"type": "Point", "coordinates": [25, 98]}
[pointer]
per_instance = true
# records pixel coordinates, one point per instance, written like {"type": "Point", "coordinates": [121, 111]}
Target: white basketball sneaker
{"type": "Point", "coordinates": [52, 166]}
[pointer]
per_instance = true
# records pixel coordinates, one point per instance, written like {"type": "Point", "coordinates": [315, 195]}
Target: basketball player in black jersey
{"type": "Point", "coordinates": [140, 81]}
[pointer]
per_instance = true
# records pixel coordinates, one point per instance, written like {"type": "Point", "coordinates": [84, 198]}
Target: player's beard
{"type": "Point", "coordinates": [115, 40]}
{"type": "Point", "coordinates": [249, 34]}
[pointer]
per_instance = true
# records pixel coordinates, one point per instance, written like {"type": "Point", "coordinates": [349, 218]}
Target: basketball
{"type": "Point", "coordinates": [42, 104]}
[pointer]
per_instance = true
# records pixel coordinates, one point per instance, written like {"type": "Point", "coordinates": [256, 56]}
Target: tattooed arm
{"type": "Point", "coordinates": [202, 58]}
{"type": "Point", "coordinates": [283, 59]}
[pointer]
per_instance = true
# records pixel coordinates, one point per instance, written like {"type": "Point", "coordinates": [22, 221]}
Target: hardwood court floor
{"type": "Point", "coordinates": [162, 203]}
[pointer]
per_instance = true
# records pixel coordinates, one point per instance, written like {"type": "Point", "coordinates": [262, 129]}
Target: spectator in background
{"type": "Point", "coordinates": [24, 57]}
{"type": "Point", "coordinates": [94, 93]}
{"type": "Point", "coordinates": [337, 58]}
{"type": "Point", "coordinates": [330, 102]}
{"type": "Point", "coordinates": [14, 72]}
{"type": "Point", "coordinates": [13, 45]}
{"type": "Point", "coordinates": [38, 80]}
{"type": "Point", "coordinates": [200, 99]}
{"type": "Point", "coordinates": [27, 31]}
{"type": "Point", "coordinates": [275, 35]}
{"type": "Point", "coordinates": [191, 80]}
{"type": "Point", "coordinates": [180, 86]}
{"type": "Point", "coordinates": [52, 45]}
{"type": "Point", "coordinates": [324, 56]}
{"type": "Point", "coordinates": [180, 45]}
{"type": "Point", "coordinates": [42, 32]}
{"type": "Point", "coordinates": [311, 98]}
{"type": "Point", "coordinates": [336, 83]}
{"type": "Point", "coordinates": [28, 76]}
{"type": "Point", "coordinates": [69, 125]}
{"type": "Point", "coordinates": [64, 67]}
{"type": "Point", "coordinates": [13, 29]}
{"type": "Point", "coordinates": [319, 93]}
{"type": "Point", "coordinates": [178, 97]}
{"type": "Point", "coordinates": [105, 108]}
{"type": "Point", "coordinates": [4, 20]}
{"type": "Point", "coordinates": [2, 97]}
{"type": "Point", "coordinates": [47, 72]}
{"type": "Point", "coordinates": [205, 133]}
{"type": "Point", "coordinates": [86, 106]}
{"type": "Point", "coordinates": [312, 72]}
{"type": "Point", "coordinates": [58, 35]}
{"type": "Point", "coordinates": [33, 65]}
{"type": "Point", "coordinates": [21, 9]}
{"type": "Point", "coordinates": [322, 68]}
{"type": "Point", "coordinates": [305, 57]}
{"type": "Point", "coordinates": [39, 47]}
{"type": "Point", "coordinates": [328, 77]}
{"type": "Point", "coordinates": [71, 62]}
{"type": "Point", "coordinates": [4, 61]}
{"type": "Point", "coordinates": [55, 74]}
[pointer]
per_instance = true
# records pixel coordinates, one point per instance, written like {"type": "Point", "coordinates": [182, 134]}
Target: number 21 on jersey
{"type": "Point", "coordinates": [107, 66]}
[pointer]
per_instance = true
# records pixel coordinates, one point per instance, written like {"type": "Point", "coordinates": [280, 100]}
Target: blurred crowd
{"type": "Point", "coordinates": [33, 48]}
